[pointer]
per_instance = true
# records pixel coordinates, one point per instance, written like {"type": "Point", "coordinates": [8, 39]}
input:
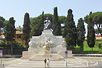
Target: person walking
{"type": "Point", "coordinates": [45, 62]}
{"type": "Point", "coordinates": [48, 62]}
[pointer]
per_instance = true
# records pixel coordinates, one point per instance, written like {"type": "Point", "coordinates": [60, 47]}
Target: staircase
{"type": "Point", "coordinates": [39, 57]}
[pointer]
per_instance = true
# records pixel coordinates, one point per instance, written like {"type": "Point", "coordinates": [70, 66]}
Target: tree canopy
{"type": "Point", "coordinates": [80, 33]}
{"type": "Point", "coordinates": [96, 18]}
{"type": "Point", "coordinates": [70, 30]}
{"type": "Point", "coordinates": [2, 20]}
{"type": "Point", "coordinates": [10, 31]}
{"type": "Point", "coordinates": [56, 23]}
{"type": "Point", "coordinates": [36, 28]}
{"type": "Point", "coordinates": [91, 34]}
{"type": "Point", "coordinates": [26, 29]}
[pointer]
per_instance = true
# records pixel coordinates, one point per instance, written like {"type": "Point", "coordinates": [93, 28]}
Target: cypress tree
{"type": "Point", "coordinates": [70, 33]}
{"type": "Point", "coordinates": [26, 29]}
{"type": "Point", "coordinates": [80, 33]}
{"type": "Point", "coordinates": [91, 34]}
{"type": "Point", "coordinates": [56, 24]}
{"type": "Point", "coordinates": [10, 32]}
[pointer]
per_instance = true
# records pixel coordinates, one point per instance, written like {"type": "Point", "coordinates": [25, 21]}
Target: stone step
{"type": "Point", "coordinates": [43, 56]}
{"type": "Point", "coordinates": [35, 64]}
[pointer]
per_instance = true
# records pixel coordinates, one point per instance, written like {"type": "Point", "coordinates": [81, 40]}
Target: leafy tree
{"type": "Point", "coordinates": [70, 30]}
{"type": "Point", "coordinates": [37, 24]}
{"type": "Point", "coordinates": [91, 34]}
{"type": "Point", "coordinates": [62, 19]}
{"type": "Point", "coordinates": [2, 20]}
{"type": "Point", "coordinates": [36, 29]}
{"type": "Point", "coordinates": [89, 19]}
{"type": "Point", "coordinates": [80, 33]}
{"type": "Point", "coordinates": [56, 24]}
{"type": "Point", "coordinates": [97, 31]}
{"type": "Point", "coordinates": [2, 43]}
{"type": "Point", "coordinates": [10, 31]}
{"type": "Point", "coordinates": [19, 28]}
{"type": "Point", "coordinates": [97, 20]}
{"type": "Point", "coordinates": [26, 29]}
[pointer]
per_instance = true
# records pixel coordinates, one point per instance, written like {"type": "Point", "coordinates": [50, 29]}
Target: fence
{"type": "Point", "coordinates": [17, 52]}
{"type": "Point", "coordinates": [88, 55]}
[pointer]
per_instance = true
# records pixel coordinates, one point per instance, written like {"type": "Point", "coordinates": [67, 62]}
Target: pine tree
{"type": "Point", "coordinates": [26, 29]}
{"type": "Point", "coordinates": [80, 33]}
{"type": "Point", "coordinates": [56, 24]}
{"type": "Point", "coordinates": [70, 33]}
{"type": "Point", "coordinates": [10, 32]}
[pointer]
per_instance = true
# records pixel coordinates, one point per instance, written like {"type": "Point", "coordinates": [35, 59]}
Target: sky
{"type": "Point", "coordinates": [18, 8]}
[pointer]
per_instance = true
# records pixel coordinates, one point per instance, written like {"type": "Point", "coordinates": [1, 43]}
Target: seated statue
{"type": "Point", "coordinates": [47, 24]}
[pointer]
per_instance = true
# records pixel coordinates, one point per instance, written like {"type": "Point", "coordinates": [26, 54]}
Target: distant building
{"type": "Point", "coordinates": [18, 37]}
{"type": "Point", "coordinates": [2, 36]}
{"type": "Point", "coordinates": [97, 37]}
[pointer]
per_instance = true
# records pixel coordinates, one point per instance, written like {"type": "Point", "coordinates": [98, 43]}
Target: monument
{"type": "Point", "coordinates": [46, 45]}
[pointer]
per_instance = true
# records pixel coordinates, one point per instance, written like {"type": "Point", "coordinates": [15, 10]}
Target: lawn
{"type": "Point", "coordinates": [88, 50]}
{"type": "Point", "coordinates": [96, 47]}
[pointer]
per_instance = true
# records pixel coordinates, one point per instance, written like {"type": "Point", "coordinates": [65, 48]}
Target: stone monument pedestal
{"type": "Point", "coordinates": [46, 46]}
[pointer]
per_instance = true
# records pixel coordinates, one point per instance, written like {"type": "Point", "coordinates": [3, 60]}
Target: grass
{"type": "Point", "coordinates": [96, 48]}
{"type": "Point", "coordinates": [88, 50]}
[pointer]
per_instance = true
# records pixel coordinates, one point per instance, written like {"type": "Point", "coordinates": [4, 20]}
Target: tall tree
{"type": "Point", "coordinates": [26, 29]}
{"type": "Point", "coordinates": [70, 33]}
{"type": "Point", "coordinates": [80, 33]}
{"type": "Point", "coordinates": [10, 31]}
{"type": "Point", "coordinates": [91, 34]}
{"type": "Point", "coordinates": [56, 24]}
{"type": "Point", "coordinates": [89, 19]}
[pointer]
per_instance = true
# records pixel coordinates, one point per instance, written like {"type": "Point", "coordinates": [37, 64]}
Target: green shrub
{"type": "Point", "coordinates": [76, 51]}
{"type": "Point", "coordinates": [100, 45]}
{"type": "Point", "coordinates": [2, 43]}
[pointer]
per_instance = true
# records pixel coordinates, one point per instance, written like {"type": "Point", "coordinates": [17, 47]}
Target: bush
{"type": "Point", "coordinates": [76, 51]}
{"type": "Point", "coordinates": [100, 45]}
{"type": "Point", "coordinates": [2, 43]}
{"type": "Point", "coordinates": [17, 44]}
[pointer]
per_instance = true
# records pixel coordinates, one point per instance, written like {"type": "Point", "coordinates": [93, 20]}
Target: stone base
{"type": "Point", "coordinates": [39, 57]}
{"type": "Point", "coordinates": [62, 53]}
{"type": "Point", "coordinates": [70, 54]}
{"type": "Point", "coordinates": [27, 54]}
{"type": "Point", "coordinates": [32, 56]}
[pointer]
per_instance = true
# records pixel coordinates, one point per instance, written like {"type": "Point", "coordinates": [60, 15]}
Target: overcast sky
{"type": "Point", "coordinates": [17, 8]}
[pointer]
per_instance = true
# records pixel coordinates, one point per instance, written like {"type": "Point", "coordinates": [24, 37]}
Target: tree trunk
{"type": "Point", "coordinates": [72, 47]}
{"type": "Point", "coordinates": [26, 43]}
{"type": "Point", "coordinates": [81, 48]}
{"type": "Point", "coordinates": [11, 48]}
{"type": "Point", "coordinates": [92, 49]}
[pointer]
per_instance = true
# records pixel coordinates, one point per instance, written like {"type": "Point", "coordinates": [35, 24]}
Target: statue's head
{"type": "Point", "coordinates": [47, 24]}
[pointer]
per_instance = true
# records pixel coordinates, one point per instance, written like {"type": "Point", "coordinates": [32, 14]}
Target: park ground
{"type": "Point", "coordinates": [79, 62]}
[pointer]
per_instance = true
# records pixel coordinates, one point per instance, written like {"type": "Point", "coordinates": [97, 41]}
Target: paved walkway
{"type": "Point", "coordinates": [25, 63]}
